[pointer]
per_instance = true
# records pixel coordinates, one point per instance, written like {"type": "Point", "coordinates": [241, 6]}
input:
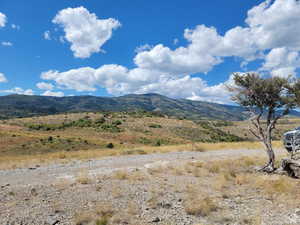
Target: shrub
{"type": "Point", "coordinates": [155, 126]}
{"type": "Point", "coordinates": [117, 123]}
{"type": "Point", "coordinates": [199, 206]}
{"type": "Point", "coordinates": [110, 145]}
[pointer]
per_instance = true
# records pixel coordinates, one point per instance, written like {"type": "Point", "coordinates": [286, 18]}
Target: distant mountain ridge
{"type": "Point", "coordinates": [25, 106]}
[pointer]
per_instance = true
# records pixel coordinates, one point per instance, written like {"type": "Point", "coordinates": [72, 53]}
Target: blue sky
{"type": "Point", "coordinates": [111, 48]}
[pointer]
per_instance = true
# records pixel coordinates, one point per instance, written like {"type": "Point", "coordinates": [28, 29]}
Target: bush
{"type": "Point", "coordinates": [117, 123]}
{"type": "Point", "coordinates": [155, 125]}
{"type": "Point", "coordinates": [110, 145]}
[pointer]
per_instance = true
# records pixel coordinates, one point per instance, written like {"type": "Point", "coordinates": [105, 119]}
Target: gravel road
{"type": "Point", "coordinates": [53, 195]}
{"type": "Point", "coordinates": [43, 175]}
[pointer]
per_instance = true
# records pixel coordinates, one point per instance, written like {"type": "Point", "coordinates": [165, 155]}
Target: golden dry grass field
{"type": "Point", "coordinates": [92, 135]}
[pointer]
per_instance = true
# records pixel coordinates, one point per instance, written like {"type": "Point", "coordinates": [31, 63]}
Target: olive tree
{"type": "Point", "coordinates": [267, 99]}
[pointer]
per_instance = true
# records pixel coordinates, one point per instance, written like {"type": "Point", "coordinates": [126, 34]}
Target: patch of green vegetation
{"type": "Point", "coordinates": [153, 142]}
{"type": "Point", "coordinates": [110, 128]}
{"type": "Point", "coordinates": [145, 141]}
{"type": "Point", "coordinates": [101, 124]}
{"type": "Point", "coordinates": [223, 123]}
{"type": "Point", "coordinates": [144, 113]}
{"type": "Point", "coordinates": [153, 125]}
{"type": "Point", "coordinates": [189, 133]}
{"type": "Point", "coordinates": [102, 221]}
{"type": "Point", "coordinates": [45, 127]}
{"type": "Point", "coordinates": [110, 145]}
{"type": "Point", "coordinates": [51, 144]}
{"type": "Point", "coordinates": [217, 135]}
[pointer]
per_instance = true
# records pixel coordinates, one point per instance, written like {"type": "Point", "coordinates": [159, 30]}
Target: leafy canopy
{"type": "Point", "coordinates": [269, 94]}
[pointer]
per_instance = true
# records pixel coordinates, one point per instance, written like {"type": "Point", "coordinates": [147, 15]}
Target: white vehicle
{"type": "Point", "coordinates": [291, 140]}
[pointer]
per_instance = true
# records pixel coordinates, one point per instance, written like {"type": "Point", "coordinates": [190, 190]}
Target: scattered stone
{"type": "Point", "coordinates": [32, 168]}
{"type": "Point", "coordinates": [165, 205]}
{"type": "Point", "coordinates": [5, 185]}
{"type": "Point", "coordinates": [156, 220]}
{"type": "Point", "coordinates": [52, 221]}
{"type": "Point", "coordinates": [33, 192]}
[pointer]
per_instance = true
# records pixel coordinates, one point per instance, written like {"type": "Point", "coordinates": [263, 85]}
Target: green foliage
{"type": "Point", "coordinates": [45, 127]}
{"type": "Point", "coordinates": [101, 124]}
{"type": "Point", "coordinates": [110, 128]}
{"type": "Point", "coordinates": [217, 135]}
{"type": "Point", "coordinates": [102, 221]}
{"type": "Point", "coordinates": [154, 142]}
{"type": "Point", "coordinates": [51, 144]}
{"type": "Point", "coordinates": [223, 123]}
{"type": "Point", "coordinates": [110, 145]}
{"type": "Point", "coordinates": [266, 94]}
{"type": "Point", "coordinates": [117, 123]}
{"type": "Point", "coordinates": [153, 125]}
{"type": "Point", "coordinates": [145, 141]}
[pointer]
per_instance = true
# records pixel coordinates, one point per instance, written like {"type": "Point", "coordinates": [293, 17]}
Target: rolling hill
{"type": "Point", "coordinates": [14, 106]}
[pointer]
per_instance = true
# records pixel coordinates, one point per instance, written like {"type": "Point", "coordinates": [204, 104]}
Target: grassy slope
{"type": "Point", "coordinates": [79, 135]}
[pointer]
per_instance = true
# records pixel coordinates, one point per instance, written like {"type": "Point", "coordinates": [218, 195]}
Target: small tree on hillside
{"type": "Point", "coordinates": [267, 99]}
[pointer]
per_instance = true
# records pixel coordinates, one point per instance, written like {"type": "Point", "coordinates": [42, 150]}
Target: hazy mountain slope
{"type": "Point", "coordinates": [25, 106]}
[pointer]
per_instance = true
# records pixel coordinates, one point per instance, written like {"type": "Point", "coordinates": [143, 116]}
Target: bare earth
{"type": "Point", "coordinates": [136, 188]}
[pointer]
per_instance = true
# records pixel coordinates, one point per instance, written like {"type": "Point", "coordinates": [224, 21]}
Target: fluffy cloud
{"type": "Point", "coordinates": [2, 78]}
{"type": "Point", "coordinates": [19, 91]}
{"type": "Point", "coordinates": [3, 19]}
{"type": "Point", "coordinates": [53, 93]}
{"type": "Point", "coordinates": [81, 79]}
{"type": "Point", "coordinates": [271, 33]}
{"type": "Point", "coordinates": [47, 35]}
{"type": "Point", "coordinates": [86, 33]}
{"type": "Point", "coordinates": [45, 86]}
{"type": "Point", "coordinates": [6, 43]}
{"type": "Point", "coordinates": [142, 48]}
{"type": "Point", "coordinates": [276, 24]}
{"type": "Point", "coordinates": [16, 27]}
{"type": "Point", "coordinates": [118, 80]}
{"type": "Point", "coordinates": [282, 62]}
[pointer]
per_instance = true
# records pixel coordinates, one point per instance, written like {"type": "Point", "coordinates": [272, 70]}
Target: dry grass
{"type": "Point", "coordinates": [20, 161]}
{"type": "Point", "coordinates": [276, 186]}
{"type": "Point", "coordinates": [135, 175]}
{"type": "Point", "coordinates": [199, 203]}
{"type": "Point", "coordinates": [137, 138]}
{"type": "Point", "coordinates": [83, 177]}
{"type": "Point", "coordinates": [99, 215]}
{"type": "Point", "coordinates": [121, 175]}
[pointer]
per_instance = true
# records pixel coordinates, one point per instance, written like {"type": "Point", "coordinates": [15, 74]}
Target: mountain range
{"type": "Point", "coordinates": [14, 106]}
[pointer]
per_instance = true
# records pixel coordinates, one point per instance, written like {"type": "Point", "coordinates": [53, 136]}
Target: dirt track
{"type": "Point", "coordinates": [53, 194]}
{"type": "Point", "coordinates": [36, 175]}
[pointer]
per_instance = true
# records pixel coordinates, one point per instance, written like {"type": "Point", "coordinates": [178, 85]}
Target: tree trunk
{"type": "Point", "coordinates": [270, 166]}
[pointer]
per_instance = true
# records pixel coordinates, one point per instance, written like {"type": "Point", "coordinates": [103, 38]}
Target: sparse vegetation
{"type": "Point", "coordinates": [265, 97]}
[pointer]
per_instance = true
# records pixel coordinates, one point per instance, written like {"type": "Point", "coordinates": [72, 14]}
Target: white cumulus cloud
{"type": "Point", "coordinates": [53, 93]}
{"type": "Point", "coordinates": [47, 35]}
{"type": "Point", "coordinates": [2, 78]}
{"type": "Point", "coordinates": [45, 86]}
{"type": "Point", "coordinates": [86, 33]}
{"type": "Point", "coordinates": [3, 19]}
{"type": "Point", "coordinates": [6, 43]}
{"type": "Point", "coordinates": [20, 91]}
{"type": "Point", "coordinates": [281, 62]}
{"type": "Point", "coordinates": [16, 27]}
{"type": "Point", "coordinates": [271, 33]}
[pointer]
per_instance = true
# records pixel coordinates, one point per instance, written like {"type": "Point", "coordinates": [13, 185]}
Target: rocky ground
{"type": "Point", "coordinates": [186, 188]}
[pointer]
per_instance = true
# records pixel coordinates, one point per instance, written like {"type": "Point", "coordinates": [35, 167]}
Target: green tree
{"type": "Point", "coordinates": [267, 99]}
